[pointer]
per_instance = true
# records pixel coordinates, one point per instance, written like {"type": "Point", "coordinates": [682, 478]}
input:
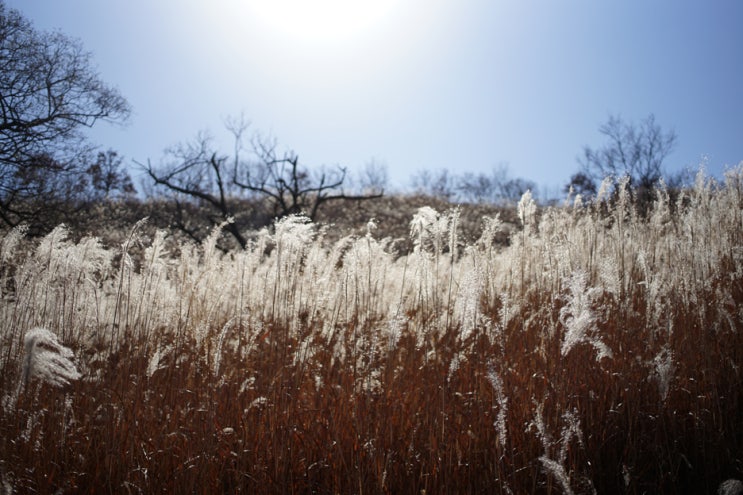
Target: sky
{"type": "Point", "coordinates": [465, 85]}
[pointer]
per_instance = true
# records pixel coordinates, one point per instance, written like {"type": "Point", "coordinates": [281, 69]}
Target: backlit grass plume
{"type": "Point", "coordinates": [433, 363]}
{"type": "Point", "coordinates": [46, 359]}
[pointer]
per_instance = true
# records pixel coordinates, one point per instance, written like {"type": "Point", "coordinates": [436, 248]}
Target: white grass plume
{"type": "Point", "coordinates": [46, 359]}
{"type": "Point", "coordinates": [730, 487]}
{"type": "Point", "coordinates": [571, 430]}
{"type": "Point", "coordinates": [423, 227]}
{"type": "Point", "coordinates": [663, 370]}
{"type": "Point", "coordinates": [10, 242]}
{"type": "Point", "coordinates": [500, 422]}
{"type": "Point", "coordinates": [558, 471]}
{"type": "Point", "coordinates": [579, 319]}
{"type": "Point", "coordinates": [527, 210]}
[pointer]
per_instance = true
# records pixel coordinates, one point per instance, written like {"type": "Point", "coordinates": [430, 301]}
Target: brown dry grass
{"type": "Point", "coordinates": [193, 385]}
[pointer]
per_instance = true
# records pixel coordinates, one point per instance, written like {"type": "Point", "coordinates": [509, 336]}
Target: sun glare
{"type": "Point", "coordinates": [320, 20]}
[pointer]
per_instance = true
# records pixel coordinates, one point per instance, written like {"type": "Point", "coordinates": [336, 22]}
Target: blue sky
{"type": "Point", "coordinates": [464, 85]}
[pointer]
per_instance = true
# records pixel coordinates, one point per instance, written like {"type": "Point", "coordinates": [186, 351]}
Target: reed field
{"type": "Point", "coordinates": [600, 350]}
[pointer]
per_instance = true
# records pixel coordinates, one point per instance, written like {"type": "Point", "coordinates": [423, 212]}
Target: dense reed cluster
{"type": "Point", "coordinates": [601, 350]}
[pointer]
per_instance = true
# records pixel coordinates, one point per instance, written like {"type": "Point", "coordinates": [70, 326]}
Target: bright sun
{"type": "Point", "coordinates": [321, 20]}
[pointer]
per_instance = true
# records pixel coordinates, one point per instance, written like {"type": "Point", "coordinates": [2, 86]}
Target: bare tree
{"type": "Point", "coordinates": [373, 178]}
{"type": "Point", "coordinates": [439, 184]}
{"type": "Point", "coordinates": [637, 151]}
{"type": "Point", "coordinates": [49, 93]}
{"type": "Point", "coordinates": [108, 177]}
{"type": "Point", "coordinates": [290, 187]}
{"type": "Point", "coordinates": [497, 187]}
{"type": "Point", "coordinates": [42, 192]}
{"type": "Point", "coordinates": [513, 189]}
{"type": "Point", "coordinates": [196, 172]}
{"type": "Point", "coordinates": [581, 183]}
{"type": "Point", "coordinates": [476, 188]}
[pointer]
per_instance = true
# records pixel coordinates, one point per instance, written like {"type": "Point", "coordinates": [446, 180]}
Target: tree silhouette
{"type": "Point", "coordinates": [49, 93]}
{"type": "Point", "coordinates": [216, 181]}
{"type": "Point", "coordinates": [637, 151]}
{"type": "Point", "coordinates": [108, 177]}
{"type": "Point", "coordinates": [290, 187]}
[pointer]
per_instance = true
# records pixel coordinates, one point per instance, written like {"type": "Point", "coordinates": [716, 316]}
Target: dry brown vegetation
{"type": "Point", "coordinates": [595, 351]}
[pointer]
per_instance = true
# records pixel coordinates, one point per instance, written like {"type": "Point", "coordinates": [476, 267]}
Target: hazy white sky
{"type": "Point", "coordinates": [418, 84]}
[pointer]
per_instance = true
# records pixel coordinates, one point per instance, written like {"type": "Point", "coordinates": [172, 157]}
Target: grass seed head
{"type": "Point", "coordinates": [46, 359]}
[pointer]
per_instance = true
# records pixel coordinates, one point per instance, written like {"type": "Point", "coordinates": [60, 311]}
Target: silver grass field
{"type": "Point", "coordinates": [599, 351]}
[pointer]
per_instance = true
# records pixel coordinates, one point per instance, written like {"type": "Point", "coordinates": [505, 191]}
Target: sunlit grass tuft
{"type": "Point", "coordinates": [600, 350]}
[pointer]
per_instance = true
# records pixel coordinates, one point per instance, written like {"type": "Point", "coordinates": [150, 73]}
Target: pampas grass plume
{"type": "Point", "coordinates": [46, 359]}
{"type": "Point", "coordinates": [730, 487]}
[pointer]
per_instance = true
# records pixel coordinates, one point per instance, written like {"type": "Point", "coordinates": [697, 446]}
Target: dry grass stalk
{"type": "Point", "coordinates": [307, 365]}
